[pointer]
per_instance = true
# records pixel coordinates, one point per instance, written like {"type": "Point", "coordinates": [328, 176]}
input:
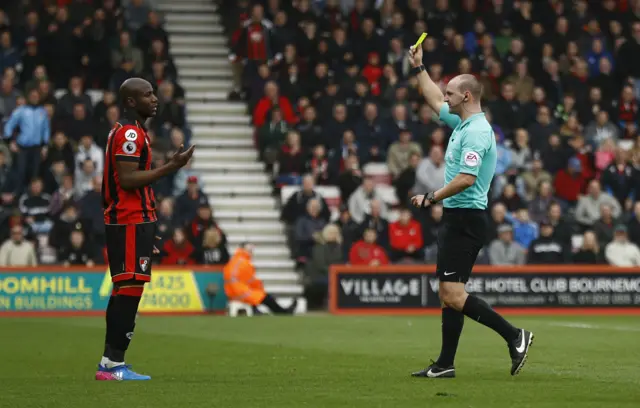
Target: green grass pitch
{"type": "Point", "coordinates": [319, 361]}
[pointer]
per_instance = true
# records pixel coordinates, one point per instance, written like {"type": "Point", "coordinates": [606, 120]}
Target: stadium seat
{"type": "Point", "coordinates": [379, 172]}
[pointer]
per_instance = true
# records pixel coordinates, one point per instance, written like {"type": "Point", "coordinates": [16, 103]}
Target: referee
{"type": "Point", "coordinates": [470, 163]}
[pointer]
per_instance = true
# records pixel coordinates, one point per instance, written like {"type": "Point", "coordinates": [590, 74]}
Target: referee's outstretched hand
{"type": "Point", "coordinates": [415, 55]}
{"type": "Point", "coordinates": [419, 201]}
{"type": "Point", "coordinates": [182, 157]}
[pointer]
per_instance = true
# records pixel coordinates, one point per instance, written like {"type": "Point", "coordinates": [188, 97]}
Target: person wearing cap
{"type": "Point", "coordinates": [569, 182]}
{"type": "Point", "coordinates": [589, 206]}
{"type": "Point", "coordinates": [620, 251]}
{"type": "Point", "coordinates": [187, 204]}
{"type": "Point", "coordinates": [504, 251]}
{"type": "Point", "coordinates": [546, 249]}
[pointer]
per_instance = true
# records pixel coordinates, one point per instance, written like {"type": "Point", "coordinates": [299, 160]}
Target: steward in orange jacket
{"type": "Point", "coordinates": [242, 285]}
{"type": "Point", "coordinates": [240, 282]}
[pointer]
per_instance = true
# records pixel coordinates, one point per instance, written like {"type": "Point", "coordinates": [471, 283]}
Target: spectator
{"type": "Point", "coordinates": [541, 130]}
{"type": "Point", "coordinates": [367, 252]}
{"type": "Point", "coordinates": [619, 181]}
{"type": "Point", "coordinates": [545, 249]}
{"type": "Point", "coordinates": [510, 198]}
{"type": "Point", "coordinates": [188, 203]}
{"type": "Point", "coordinates": [296, 205]}
{"type": "Point", "coordinates": [88, 150]}
{"type": "Point", "coordinates": [521, 155]}
{"type": "Point", "coordinates": [569, 183]}
{"type": "Point", "coordinates": [213, 250]}
{"type": "Point", "coordinates": [563, 229]}
{"type": "Point", "coordinates": [85, 174]}
{"type": "Point", "coordinates": [539, 206]}
{"type": "Point", "coordinates": [589, 253]}
{"type": "Point", "coordinates": [34, 205]}
{"type": "Point", "coordinates": [498, 217]}
{"type": "Point", "coordinates": [8, 97]}
{"type": "Point", "coordinates": [61, 150]}
{"type": "Point", "coordinates": [177, 250]}
{"type": "Point", "coordinates": [32, 139]}
{"type": "Point", "coordinates": [350, 179]}
{"type": "Point", "coordinates": [399, 153]}
{"type": "Point", "coordinates": [588, 208]}
{"type": "Point", "coordinates": [75, 95]}
{"type": "Point", "coordinates": [17, 251]}
{"type": "Point", "coordinates": [405, 238]}
{"type": "Point", "coordinates": [633, 226]}
{"type": "Point", "coordinates": [604, 155]}
{"type": "Point", "coordinates": [349, 228]}
{"type": "Point", "coordinates": [308, 230]}
{"type": "Point", "coordinates": [79, 124]}
{"type": "Point", "coordinates": [273, 99]}
{"type": "Point", "coordinates": [533, 178]}
{"type": "Point", "coordinates": [319, 166]}
{"type": "Point", "coordinates": [360, 200]}
{"type": "Point", "coordinates": [377, 221]}
{"type": "Point", "coordinates": [166, 221]}
{"type": "Point", "coordinates": [407, 179]}
{"type": "Point", "coordinates": [9, 55]}
{"type": "Point", "coordinates": [90, 206]}
{"type": "Point", "coordinates": [150, 31]}
{"type": "Point", "coordinates": [605, 225]}
{"type": "Point", "coordinates": [621, 252]}
{"type": "Point", "coordinates": [271, 136]}
{"type": "Point", "coordinates": [291, 160]}
{"type": "Point", "coordinates": [524, 230]}
{"type": "Point", "coordinates": [182, 176]}
{"type": "Point", "coordinates": [63, 195]}
{"type": "Point", "coordinates": [78, 252]}
{"type": "Point", "coordinates": [201, 222]}
{"type": "Point", "coordinates": [601, 129]}
{"type": "Point", "coordinates": [316, 276]}
{"type": "Point", "coordinates": [68, 221]}
{"type": "Point", "coordinates": [126, 51]}
{"type": "Point", "coordinates": [503, 251]}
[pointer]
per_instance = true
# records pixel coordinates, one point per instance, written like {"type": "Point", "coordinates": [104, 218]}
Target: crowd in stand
{"type": "Point", "coordinates": [329, 87]}
{"type": "Point", "coordinates": [52, 152]}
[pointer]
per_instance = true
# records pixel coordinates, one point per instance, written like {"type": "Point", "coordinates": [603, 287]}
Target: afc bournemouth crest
{"type": "Point", "coordinates": [144, 263]}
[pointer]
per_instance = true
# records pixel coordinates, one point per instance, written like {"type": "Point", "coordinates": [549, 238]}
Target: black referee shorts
{"type": "Point", "coordinates": [462, 236]}
{"type": "Point", "coordinates": [129, 249]}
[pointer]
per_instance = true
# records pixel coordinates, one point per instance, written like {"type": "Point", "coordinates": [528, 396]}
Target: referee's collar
{"type": "Point", "coordinates": [471, 118]}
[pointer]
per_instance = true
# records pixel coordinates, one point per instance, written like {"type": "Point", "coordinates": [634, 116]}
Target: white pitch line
{"type": "Point", "coordinates": [578, 325]}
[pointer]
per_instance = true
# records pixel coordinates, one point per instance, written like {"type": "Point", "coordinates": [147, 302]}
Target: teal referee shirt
{"type": "Point", "coordinates": [471, 150]}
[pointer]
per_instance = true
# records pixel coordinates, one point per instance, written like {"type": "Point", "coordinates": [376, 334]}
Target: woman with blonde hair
{"type": "Point", "coordinates": [213, 250]}
{"type": "Point", "coordinates": [316, 275]}
{"type": "Point", "coordinates": [589, 252]}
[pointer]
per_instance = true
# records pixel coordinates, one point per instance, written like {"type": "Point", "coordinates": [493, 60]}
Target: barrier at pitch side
{"type": "Point", "coordinates": [58, 291]}
{"type": "Point", "coordinates": [542, 289]}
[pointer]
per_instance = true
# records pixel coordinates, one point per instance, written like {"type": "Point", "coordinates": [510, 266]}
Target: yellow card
{"type": "Point", "coordinates": [420, 40]}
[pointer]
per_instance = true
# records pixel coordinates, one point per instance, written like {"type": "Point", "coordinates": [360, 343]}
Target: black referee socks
{"type": "Point", "coordinates": [480, 311]}
{"type": "Point", "coordinates": [452, 323]}
{"type": "Point", "coordinates": [121, 321]}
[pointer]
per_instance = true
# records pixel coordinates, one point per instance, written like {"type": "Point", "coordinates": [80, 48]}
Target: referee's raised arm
{"type": "Point", "coordinates": [431, 92]}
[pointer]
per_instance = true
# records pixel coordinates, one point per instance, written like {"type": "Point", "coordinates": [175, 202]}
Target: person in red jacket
{"type": "Point", "coordinates": [570, 182]}
{"type": "Point", "coordinates": [405, 238]}
{"type": "Point", "coordinates": [372, 72]}
{"type": "Point", "coordinates": [270, 99]}
{"type": "Point", "coordinates": [367, 252]}
{"type": "Point", "coordinates": [177, 250]}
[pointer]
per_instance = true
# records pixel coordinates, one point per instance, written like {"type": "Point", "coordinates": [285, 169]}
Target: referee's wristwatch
{"type": "Point", "coordinates": [430, 197]}
{"type": "Point", "coordinates": [416, 70]}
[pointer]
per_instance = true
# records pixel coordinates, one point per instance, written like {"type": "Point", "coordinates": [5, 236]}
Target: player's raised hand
{"type": "Point", "coordinates": [182, 157]}
{"type": "Point", "coordinates": [415, 55]}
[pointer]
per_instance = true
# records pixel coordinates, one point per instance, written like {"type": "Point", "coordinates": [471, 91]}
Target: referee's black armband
{"type": "Point", "coordinates": [416, 70]}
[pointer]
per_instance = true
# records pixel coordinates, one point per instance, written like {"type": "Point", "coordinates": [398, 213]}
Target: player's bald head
{"type": "Point", "coordinates": [132, 88]}
{"type": "Point", "coordinates": [468, 83]}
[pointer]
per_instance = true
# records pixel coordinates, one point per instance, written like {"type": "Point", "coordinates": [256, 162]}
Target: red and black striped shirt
{"type": "Point", "coordinates": [128, 141]}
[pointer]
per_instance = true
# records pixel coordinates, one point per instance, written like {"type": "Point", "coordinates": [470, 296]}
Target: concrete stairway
{"type": "Point", "coordinates": [234, 179]}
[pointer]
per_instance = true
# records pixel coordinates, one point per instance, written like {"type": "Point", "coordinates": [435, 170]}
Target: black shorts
{"type": "Point", "coordinates": [462, 236]}
{"type": "Point", "coordinates": [130, 248]}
